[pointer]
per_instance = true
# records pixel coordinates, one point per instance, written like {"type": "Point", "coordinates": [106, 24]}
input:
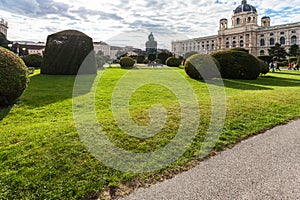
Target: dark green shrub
{"type": "Point", "coordinates": [291, 60]}
{"type": "Point", "coordinates": [298, 60]}
{"type": "Point", "coordinates": [237, 64]}
{"type": "Point", "coordinates": [173, 62]}
{"type": "Point", "coordinates": [33, 60]}
{"type": "Point", "coordinates": [127, 62]}
{"type": "Point", "coordinates": [146, 61]}
{"type": "Point", "coordinates": [158, 61]}
{"type": "Point", "coordinates": [266, 58]}
{"type": "Point", "coordinates": [140, 59]}
{"type": "Point", "coordinates": [66, 51]}
{"type": "Point", "coordinates": [163, 56]}
{"type": "Point", "coordinates": [152, 56]}
{"type": "Point", "coordinates": [13, 77]}
{"type": "Point", "coordinates": [189, 54]}
{"type": "Point", "coordinates": [100, 61]}
{"type": "Point", "coordinates": [201, 66]}
{"type": "Point", "coordinates": [264, 68]}
{"type": "Point", "coordinates": [240, 49]}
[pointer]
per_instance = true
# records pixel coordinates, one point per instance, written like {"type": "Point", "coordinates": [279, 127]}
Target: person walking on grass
{"type": "Point", "coordinates": [276, 66]}
{"type": "Point", "coordinates": [272, 66]}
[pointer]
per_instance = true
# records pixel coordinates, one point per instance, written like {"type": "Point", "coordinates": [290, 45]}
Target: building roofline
{"type": "Point", "coordinates": [280, 26]}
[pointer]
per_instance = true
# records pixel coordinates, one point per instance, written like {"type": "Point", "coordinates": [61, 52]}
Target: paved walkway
{"type": "Point", "coordinates": [263, 167]}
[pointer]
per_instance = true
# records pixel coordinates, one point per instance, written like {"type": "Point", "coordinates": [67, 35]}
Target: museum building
{"type": "Point", "coordinates": [244, 32]}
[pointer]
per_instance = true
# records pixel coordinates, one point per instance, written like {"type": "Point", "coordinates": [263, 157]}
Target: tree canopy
{"type": "Point", "coordinates": [294, 50]}
{"type": "Point", "coordinates": [278, 52]}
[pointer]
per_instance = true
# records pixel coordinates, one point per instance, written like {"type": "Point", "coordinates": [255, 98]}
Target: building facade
{"type": "Point", "coordinates": [3, 27]}
{"type": "Point", "coordinates": [244, 32]}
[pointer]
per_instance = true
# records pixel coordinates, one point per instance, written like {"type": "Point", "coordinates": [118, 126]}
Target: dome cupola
{"type": "Point", "coordinates": [244, 7]}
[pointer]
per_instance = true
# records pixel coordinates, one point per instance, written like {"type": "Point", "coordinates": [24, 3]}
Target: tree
{"type": "Point", "coordinates": [294, 50]}
{"type": "Point", "coordinates": [3, 41]}
{"type": "Point", "coordinates": [278, 52]}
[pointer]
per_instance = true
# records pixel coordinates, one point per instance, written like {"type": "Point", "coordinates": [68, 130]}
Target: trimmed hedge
{"type": "Point", "coordinates": [163, 56]}
{"type": "Point", "coordinates": [13, 77]}
{"type": "Point", "coordinates": [240, 49]}
{"type": "Point", "coordinates": [202, 66]}
{"type": "Point", "coordinates": [152, 56]}
{"type": "Point", "coordinates": [66, 51]}
{"type": "Point", "coordinates": [33, 60]}
{"type": "Point", "coordinates": [298, 60]}
{"type": "Point", "coordinates": [264, 68]}
{"type": "Point", "coordinates": [173, 62]}
{"type": "Point", "coordinates": [140, 59]}
{"type": "Point", "coordinates": [238, 64]}
{"type": "Point", "coordinates": [291, 60]}
{"type": "Point", "coordinates": [127, 62]}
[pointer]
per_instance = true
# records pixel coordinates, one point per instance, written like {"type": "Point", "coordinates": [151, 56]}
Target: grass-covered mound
{"type": "Point", "coordinates": [66, 52]}
{"type": "Point", "coordinates": [13, 77]}
{"type": "Point", "coordinates": [236, 64]}
{"type": "Point", "coordinates": [42, 156]}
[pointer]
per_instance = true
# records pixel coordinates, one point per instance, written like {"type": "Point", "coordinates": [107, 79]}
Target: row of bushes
{"type": "Point", "coordinates": [231, 64]}
{"type": "Point", "coordinates": [128, 62]}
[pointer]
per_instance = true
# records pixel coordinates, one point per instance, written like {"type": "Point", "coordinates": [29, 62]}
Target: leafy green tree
{"type": "Point", "coordinates": [278, 52]}
{"type": "Point", "coordinates": [294, 50]}
{"type": "Point", "coordinates": [3, 41]}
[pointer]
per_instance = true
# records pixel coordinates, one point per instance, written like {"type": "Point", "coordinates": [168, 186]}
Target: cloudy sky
{"type": "Point", "coordinates": [128, 22]}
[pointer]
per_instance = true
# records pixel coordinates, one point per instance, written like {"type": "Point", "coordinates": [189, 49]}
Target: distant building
{"type": "Point", "coordinates": [102, 47]}
{"type": "Point", "coordinates": [3, 27]}
{"type": "Point", "coordinates": [151, 44]}
{"type": "Point", "coordinates": [36, 48]}
{"type": "Point", "coordinates": [245, 32]}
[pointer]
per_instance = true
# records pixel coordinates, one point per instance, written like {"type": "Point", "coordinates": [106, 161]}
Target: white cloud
{"type": "Point", "coordinates": [129, 22]}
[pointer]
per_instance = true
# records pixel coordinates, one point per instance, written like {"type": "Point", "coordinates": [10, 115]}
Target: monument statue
{"type": "Point", "coordinates": [151, 44]}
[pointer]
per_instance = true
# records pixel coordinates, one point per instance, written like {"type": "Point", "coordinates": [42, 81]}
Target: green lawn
{"type": "Point", "coordinates": [42, 157]}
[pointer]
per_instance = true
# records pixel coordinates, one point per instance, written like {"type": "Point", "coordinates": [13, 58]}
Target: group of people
{"type": "Point", "coordinates": [274, 66]}
{"type": "Point", "coordinates": [293, 66]}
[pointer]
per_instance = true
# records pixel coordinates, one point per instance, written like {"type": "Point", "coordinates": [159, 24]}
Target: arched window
{"type": "Point", "coordinates": [238, 21]}
{"type": "Point", "coordinates": [227, 44]}
{"type": "Point", "coordinates": [262, 42]}
{"type": "Point", "coordinates": [272, 41]}
{"type": "Point", "coordinates": [282, 40]}
{"type": "Point", "coordinates": [294, 40]}
{"type": "Point", "coordinates": [249, 19]}
{"type": "Point", "coordinates": [262, 52]}
{"type": "Point", "coordinates": [234, 44]}
{"type": "Point", "coordinates": [242, 43]}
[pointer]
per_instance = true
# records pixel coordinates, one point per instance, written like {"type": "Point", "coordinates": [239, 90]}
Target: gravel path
{"type": "Point", "coordinates": [266, 166]}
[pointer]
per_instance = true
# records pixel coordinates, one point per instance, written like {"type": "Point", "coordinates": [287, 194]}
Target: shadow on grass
{"type": "Point", "coordinates": [262, 83]}
{"type": "Point", "coordinates": [4, 112]}
{"type": "Point", "coordinates": [48, 89]}
{"type": "Point", "coordinates": [289, 72]}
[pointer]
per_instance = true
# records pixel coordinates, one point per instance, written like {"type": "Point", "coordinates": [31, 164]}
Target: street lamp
{"type": "Point", "coordinates": [10, 46]}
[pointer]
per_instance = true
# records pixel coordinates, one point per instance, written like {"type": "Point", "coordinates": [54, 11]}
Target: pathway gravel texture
{"type": "Point", "coordinates": [266, 166]}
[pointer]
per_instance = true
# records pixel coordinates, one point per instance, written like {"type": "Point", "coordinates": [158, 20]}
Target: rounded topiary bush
{"type": "Point", "coordinates": [33, 60]}
{"type": "Point", "coordinates": [140, 59]}
{"type": "Point", "coordinates": [146, 61]}
{"type": "Point", "coordinates": [173, 62]}
{"type": "Point", "coordinates": [202, 66]}
{"type": "Point", "coordinates": [13, 77]}
{"type": "Point", "coordinates": [127, 62]}
{"type": "Point", "coordinates": [66, 52]}
{"type": "Point", "coordinates": [240, 49]}
{"type": "Point", "coordinates": [238, 64]}
{"type": "Point", "coordinates": [163, 56]}
{"type": "Point", "coordinates": [264, 68]}
{"type": "Point", "coordinates": [152, 56]}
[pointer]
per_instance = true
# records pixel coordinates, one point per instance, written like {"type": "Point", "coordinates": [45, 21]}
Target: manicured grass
{"type": "Point", "coordinates": [42, 157]}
